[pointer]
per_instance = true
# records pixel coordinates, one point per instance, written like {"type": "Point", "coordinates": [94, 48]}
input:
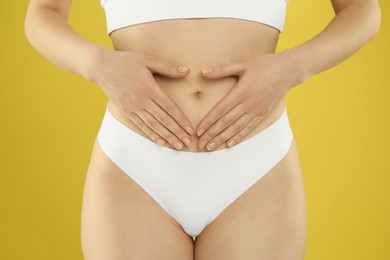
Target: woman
{"type": "Point", "coordinates": [195, 141]}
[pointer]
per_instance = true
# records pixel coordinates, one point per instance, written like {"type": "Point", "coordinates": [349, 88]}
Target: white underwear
{"type": "Point", "coordinates": [194, 187]}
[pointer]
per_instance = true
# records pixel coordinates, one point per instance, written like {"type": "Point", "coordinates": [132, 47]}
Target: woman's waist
{"type": "Point", "coordinates": [196, 97]}
{"type": "Point", "coordinates": [197, 39]}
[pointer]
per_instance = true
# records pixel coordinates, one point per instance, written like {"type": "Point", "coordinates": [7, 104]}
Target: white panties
{"type": "Point", "coordinates": [194, 187]}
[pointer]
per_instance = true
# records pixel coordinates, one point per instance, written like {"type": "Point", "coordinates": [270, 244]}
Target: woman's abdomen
{"type": "Point", "coordinates": [196, 44]}
{"type": "Point", "coordinates": [196, 101]}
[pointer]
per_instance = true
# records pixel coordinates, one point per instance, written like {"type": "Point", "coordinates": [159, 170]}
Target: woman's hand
{"type": "Point", "coordinates": [127, 80]}
{"type": "Point", "coordinates": [262, 84]}
{"type": "Point", "coordinates": [265, 80]}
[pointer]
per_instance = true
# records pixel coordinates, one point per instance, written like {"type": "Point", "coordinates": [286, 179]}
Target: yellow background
{"type": "Point", "coordinates": [49, 119]}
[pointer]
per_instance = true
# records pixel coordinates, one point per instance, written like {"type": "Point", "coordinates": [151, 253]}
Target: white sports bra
{"type": "Point", "coordinates": [122, 13]}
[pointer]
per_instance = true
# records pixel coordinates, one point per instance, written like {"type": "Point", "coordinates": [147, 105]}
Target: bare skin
{"type": "Point", "coordinates": [119, 219]}
{"type": "Point", "coordinates": [195, 95]}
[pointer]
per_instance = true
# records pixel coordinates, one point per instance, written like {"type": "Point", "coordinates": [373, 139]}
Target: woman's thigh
{"type": "Point", "coordinates": [121, 221]}
{"type": "Point", "coordinates": [267, 222]}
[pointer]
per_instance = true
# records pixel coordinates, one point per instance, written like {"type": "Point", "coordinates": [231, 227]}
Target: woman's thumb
{"type": "Point", "coordinates": [223, 70]}
{"type": "Point", "coordinates": [167, 69]}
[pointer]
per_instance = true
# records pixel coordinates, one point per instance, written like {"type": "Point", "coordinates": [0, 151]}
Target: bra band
{"type": "Point", "coordinates": [122, 13]}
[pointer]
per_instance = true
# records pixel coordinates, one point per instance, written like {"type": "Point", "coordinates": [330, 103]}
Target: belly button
{"type": "Point", "coordinates": [197, 94]}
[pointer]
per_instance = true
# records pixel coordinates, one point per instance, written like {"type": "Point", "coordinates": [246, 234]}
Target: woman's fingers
{"type": "Point", "coordinates": [175, 121]}
{"type": "Point", "coordinates": [166, 69]}
{"type": "Point", "coordinates": [156, 127]}
{"type": "Point", "coordinates": [240, 135]}
{"type": "Point", "coordinates": [167, 125]}
{"type": "Point", "coordinates": [159, 125]}
{"type": "Point", "coordinates": [163, 118]}
{"type": "Point", "coordinates": [144, 127]}
{"type": "Point", "coordinates": [233, 130]}
{"type": "Point", "coordinates": [224, 70]}
{"type": "Point", "coordinates": [167, 119]}
{"type": "Point", "coordinates": [212, 138]}
{"type": "Point", "coordinates": [236, 132]}
{"type": "Point", "coordinates": [226, 104]}
{"type": "Point", "coordinates": [180, 121]}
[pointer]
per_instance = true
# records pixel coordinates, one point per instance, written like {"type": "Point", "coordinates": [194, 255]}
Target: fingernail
{"type": "Point", "coordinates": [178, 145]}
{"type": "Point", "coordinates": [202, 144]}
{"type": "Point", "coordinates": [160, 141]}
{"type": "Point", "coordinates": [183, 69]}
{"type": "Point", "coordinates": [187, 141]}
{"type": "Point", "coordinates": [207, 70]}
{"type": "Point", "coordinates": [231, 143]}
{"type": "Point", "coordinates": [200, 131]}
{"type": "Point", "coordinates": [189, 130]}
{"type": "Point", "coordinates": [211, 146]}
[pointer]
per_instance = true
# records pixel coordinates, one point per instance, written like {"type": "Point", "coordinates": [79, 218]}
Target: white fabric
{"type": "Point", "coordinates": [194, 187]}
{"type": "Point", "coordinates": [122, 13]}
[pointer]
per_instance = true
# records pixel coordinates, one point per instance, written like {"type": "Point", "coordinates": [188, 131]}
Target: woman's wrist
{"type": "Point", "coordinates": [299, 68]}
{"type": "Point", "coordinates": [93, 61]}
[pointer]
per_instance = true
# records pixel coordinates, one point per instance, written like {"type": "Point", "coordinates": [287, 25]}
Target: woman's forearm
{"type": "Point", "coordinates": [50, 34]}
{"type": "Point", "coordinates": [355, 23]}
{"type": "Point", "coordinates": [125, 77]}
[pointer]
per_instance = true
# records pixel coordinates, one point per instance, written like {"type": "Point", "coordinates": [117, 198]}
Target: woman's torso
{"type": "Point", "coordinates": [197, 43]}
